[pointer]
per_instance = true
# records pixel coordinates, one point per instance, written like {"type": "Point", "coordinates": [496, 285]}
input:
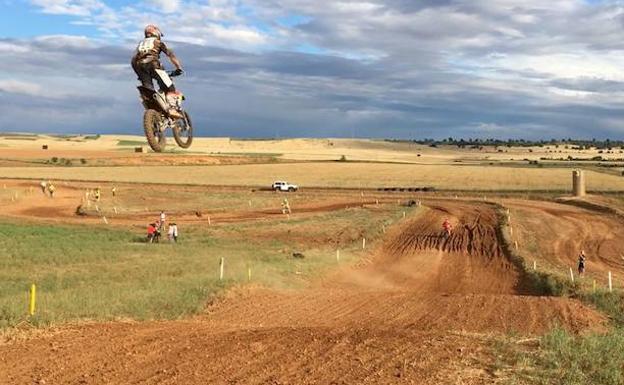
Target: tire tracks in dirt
{"type": "Point", "coordinates": [418, 312]}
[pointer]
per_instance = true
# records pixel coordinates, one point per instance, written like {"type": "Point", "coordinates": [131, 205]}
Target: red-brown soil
{"type": "Point", "coordinates": [417, 312]}
{"type": "Point", "coordinates": [556, 233]}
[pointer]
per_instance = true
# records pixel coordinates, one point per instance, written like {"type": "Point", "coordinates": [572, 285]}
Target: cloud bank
{"type": "Point", "coordinates": [377, 68]}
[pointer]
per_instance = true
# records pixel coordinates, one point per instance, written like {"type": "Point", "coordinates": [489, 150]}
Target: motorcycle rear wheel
{"type": "Point", "coordinates": [183, 131]}
{"type": "Point", "coordinates": [152, 122]}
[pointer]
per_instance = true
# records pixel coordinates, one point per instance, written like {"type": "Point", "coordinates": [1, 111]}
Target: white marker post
{"type": "Point", "coordinates": [403, 214]}
{"type": "Point", "coordinates": [516, 244]}
{"type": "Point", "coordinates": [534, 265]}
{"type": "Point", "coordinates": [115, 210]}
{"type": "Point", "coordinates": [250, 204]}
{"type": "Point", "coordinates": [221, 268]}
{"type": "Point", "coordinates": [610, 283]}
{"type": "Point", "coordinates": [377, 202]}
{"type": "Point", "coordinates": [338, 255]}
{"type": "Point", "coordinates": [383, 228]}
{"type": "Point", "coordinates": [105, 220]}
{"type": "Point", "coordinates": [510, 230]}
{"type": "Point", "coordinates": [363, 243]}
{"type": "Point", "coordinates": [571, 275]}
{"type": "Point", "coordinates": [209, 223]}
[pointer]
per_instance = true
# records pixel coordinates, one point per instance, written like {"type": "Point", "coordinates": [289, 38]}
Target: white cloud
{"type": "Point", "coordinates": [69, 7]}
{"type": "Point", "coordinates": [19, 87]}
{"type": "Point", "coordinates": [167, 6]}
{"type": "Point", "coordinates": [11, 48]}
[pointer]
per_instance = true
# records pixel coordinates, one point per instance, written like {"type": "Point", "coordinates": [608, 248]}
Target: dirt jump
{"type": "Point", "coordinates": [419, 310]}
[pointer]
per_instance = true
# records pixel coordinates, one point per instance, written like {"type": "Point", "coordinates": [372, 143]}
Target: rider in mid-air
{"type": "Point", "coordinates": [447, 227]}
{"type": "Point", "coordinates": [146, 61]}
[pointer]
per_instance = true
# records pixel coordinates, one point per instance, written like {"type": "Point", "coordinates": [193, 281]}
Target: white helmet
{"type": "Point", "coordinates": [152, 30]}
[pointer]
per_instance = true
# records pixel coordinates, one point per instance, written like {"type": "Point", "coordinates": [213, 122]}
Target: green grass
{"type": "Point", "coordinates": [562, 358]}
{"type": "Point", "coordinates": [102, 273]}
{"type": "Point", "coordinates": [131, 143]}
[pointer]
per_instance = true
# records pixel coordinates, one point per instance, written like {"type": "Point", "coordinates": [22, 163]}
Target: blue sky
{"type": "Point", "coordinates": [376, 68]}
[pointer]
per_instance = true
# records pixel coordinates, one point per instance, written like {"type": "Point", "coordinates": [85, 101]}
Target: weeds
{"type": "Point", "coordinates": [566, 359]}
{"type": "Point", "coordinates": [101, 273]}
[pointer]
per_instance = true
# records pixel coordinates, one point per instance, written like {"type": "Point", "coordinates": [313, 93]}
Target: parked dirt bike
{"type": "Point", "coordinates": [157, 117]}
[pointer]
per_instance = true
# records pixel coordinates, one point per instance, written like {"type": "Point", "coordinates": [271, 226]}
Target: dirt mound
{"type": "Point", "coordinates": [557, 233]}
{"type": "Point", "coordinates": [416, 313]}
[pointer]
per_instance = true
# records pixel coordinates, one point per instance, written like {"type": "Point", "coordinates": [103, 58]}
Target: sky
{"type": "Point", "coordinates": [406, 69]}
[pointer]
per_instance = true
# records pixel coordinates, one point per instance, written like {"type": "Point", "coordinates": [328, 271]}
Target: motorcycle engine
{"type": "Point", "coordinates": [175, 99]}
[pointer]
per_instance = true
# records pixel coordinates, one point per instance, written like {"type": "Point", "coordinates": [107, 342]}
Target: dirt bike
{"type": "Point", "coordinates": [157, 117]}
{"type": "Point", "coordinates": [446, 233]}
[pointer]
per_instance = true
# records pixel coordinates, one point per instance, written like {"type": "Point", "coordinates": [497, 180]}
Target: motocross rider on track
{"type": "Point", "coordinates": [447, 227]}
{"type": "Point", "coordinates": [146, 61]}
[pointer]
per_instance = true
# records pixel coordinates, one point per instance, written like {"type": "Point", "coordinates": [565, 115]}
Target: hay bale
{"type": "Point", "coordinates": [44, 147]}
{"type": "Point", "coordinates": [139, 149]}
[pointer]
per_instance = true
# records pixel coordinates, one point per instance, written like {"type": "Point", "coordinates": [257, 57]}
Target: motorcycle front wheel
{"type": "Point", "coordinates": [183, 131]}
{"type": "Point", "coordinates": [152, 124]}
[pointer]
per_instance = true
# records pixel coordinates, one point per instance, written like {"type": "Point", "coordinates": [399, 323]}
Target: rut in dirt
{"type": "Point", "coordinates": [473, 252]}
{"type": "Point", "coordinates": [402, 317]}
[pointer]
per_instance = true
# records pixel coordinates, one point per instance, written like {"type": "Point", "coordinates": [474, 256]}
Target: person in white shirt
{"type": "Point", "coordinates": [172, 234]}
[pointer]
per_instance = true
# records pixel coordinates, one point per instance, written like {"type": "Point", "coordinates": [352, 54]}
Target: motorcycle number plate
{"type": "Point", "coordinates": [165, 77]}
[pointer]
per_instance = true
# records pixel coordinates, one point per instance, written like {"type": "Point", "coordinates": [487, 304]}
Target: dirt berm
{"type": "Point", "coordinates": [418, 312]}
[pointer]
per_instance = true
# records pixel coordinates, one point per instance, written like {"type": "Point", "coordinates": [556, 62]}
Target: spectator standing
{"type": "Point", "coordinates": [44, 186]}
{"type": "Point", "coordinates": [581, 262]}
{"type": "Point", "coordinates": [173, 232]}
{"type": "Point", "coordinates": [285, 206]}
{"type": "Point", "coordinates": [51, 189]}
{"type": "Point", "coordinates": [151, 232]}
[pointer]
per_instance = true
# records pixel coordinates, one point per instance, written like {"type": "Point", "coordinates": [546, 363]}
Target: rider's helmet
{"type": "Point", "coordinates": [152, 30]}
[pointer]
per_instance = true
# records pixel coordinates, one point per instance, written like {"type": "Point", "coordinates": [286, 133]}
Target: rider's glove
{"type": "Point", "coordinates": [177, 72]}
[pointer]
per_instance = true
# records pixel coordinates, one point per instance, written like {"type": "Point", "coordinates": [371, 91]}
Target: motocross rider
{"type": "Point", "coordinates": [447, 226]}
{"type": "Point", "coordinates": [146, 61]}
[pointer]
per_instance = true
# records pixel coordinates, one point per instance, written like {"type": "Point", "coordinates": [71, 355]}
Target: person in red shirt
{"type": "Point", "coordinates": [151, 231]}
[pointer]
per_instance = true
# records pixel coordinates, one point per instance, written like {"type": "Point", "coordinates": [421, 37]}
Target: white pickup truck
{"type": "Point", "coordinates": [284, 186]}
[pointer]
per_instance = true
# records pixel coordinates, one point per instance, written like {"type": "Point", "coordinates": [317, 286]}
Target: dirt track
{"type": "Point", "coordinates": [416, 312]}
{"type": "Point", "coordinates": [33, 205]}
{"type": "Point", "coordinates": [555, 233]}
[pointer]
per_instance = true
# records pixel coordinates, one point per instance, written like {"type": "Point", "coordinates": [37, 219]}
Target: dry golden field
{"type": "Point", "coordinates": [332, 174]}
{"type": "Point", "coordinates": [109, 146]}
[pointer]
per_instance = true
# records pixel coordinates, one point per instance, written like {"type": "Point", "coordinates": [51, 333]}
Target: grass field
{"type": "Point", "coordinates": [100, 273]}
{"type": "Point", "coordinates": [335, 174]}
